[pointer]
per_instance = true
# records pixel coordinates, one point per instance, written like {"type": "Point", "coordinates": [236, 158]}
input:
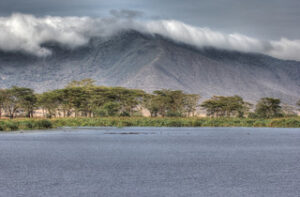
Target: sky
{"type": "Point", "coordinates": [264, 26]}
{"type": "Point", "coordinates": [263, 19]}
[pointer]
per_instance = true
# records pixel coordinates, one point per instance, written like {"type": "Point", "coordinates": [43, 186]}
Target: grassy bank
{"type": "Point", "coordinates": [34, 124]}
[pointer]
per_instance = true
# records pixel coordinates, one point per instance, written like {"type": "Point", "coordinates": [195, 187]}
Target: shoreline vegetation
{"type": "Point", "coordinates": [82, 103]}
{"type": "Point", "coordinates": [41, 124]}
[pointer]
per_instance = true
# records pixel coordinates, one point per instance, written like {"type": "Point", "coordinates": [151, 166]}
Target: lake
{"type": "Point", "coordinates": [151, 162]}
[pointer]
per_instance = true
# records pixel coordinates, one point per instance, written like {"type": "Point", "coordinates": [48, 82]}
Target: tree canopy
{"type": "Point", "coordinates": [85, 99]}
{"type": "Point", "coordinates": [230, 106]}
{"type": "Point", "coordinates": [15, 98]}
{"type": "Point", "coordinates": [268, 108]}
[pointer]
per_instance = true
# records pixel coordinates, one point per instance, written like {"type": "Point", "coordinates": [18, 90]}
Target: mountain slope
{"type": "Point", "coordinates": [147, 62]}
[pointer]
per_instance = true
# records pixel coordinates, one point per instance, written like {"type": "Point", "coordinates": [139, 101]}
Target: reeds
{"type": "Point", "coordinates": [34, 124]}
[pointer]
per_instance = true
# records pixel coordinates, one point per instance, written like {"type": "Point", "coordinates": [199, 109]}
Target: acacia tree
{"type": "Point", "coordinates": [2, 99]}
{"type": "Point", "coordinates": [11, 104]}
{"type": "Point", "coordinates": [171, 103]}
{"type": "Point", "coordinates": [128, 100]}
{"type": "Point", "coordinates": [27, 100]}
{"type": "Point", "coordinates": [17, 98]}
{"type": "Point", "coordinates": [98, 97]}
{"type": "Point", "coordinates": [150, 104]}
{"type": "Point", "coordinates": [268, 108]}
{"type": "Point", "coordinates": [221, 106]}
{"type": "Point", "coordinates": [111, 109]}
{"type": "Point", "coordinates": [191, 104]}
{"type": "Point", "coordinates": [78, 96]}
{"type": "Point", "coordinates": [50, 102]}
{"type": "Point", "coordinates": [168, 102]}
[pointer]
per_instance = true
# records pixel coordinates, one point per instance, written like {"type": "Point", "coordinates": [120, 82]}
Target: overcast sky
{"type": "Point", "coordinates": [263, 19]}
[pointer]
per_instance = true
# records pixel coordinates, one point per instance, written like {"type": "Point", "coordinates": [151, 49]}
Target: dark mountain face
{"type": "Point", "coordinates": [147, 62]}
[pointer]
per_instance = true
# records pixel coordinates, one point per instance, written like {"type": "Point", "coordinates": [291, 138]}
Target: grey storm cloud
{"type": "Point", "coordinates": [24, 32]}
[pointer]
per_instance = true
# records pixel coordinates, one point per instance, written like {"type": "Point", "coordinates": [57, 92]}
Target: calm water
{"type": "Point", "coordinates": [142, 162]}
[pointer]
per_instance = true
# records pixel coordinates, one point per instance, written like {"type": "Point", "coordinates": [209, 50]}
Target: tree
{"type": "Point", "coordinates": [221, 106]}
{"type": "Point", "coordinates": [27, 100]}
{"type": "Point", "coordinates": [77, 97]}
{"type": "Point", "coordinates": [171, 103]}
{"type": "Point", "coordinates": [111, 108]}
{"type": "Point", "coordinates": [129, 100]}
{"type": "Point", "coordinates": [2, 99]}
{"type": "Point", "coordinates": [151, 105]}
{"type": "Point", "coordinates": [17, 98]}
{"type": "Point", "coordinates": [98, 97]}
{"type": "Point", "coordinates": [268, 108]}
{"type": "Point", "coordinates": [50, 102]}
{"type": "Point", "coordinates": [191, 104]}
{"type": "Point", "coordinates": [168, 102]}
{"type": "Point", "coordinates": [288, 110]}
{"type": "Point", "coordinates": [11, 103]}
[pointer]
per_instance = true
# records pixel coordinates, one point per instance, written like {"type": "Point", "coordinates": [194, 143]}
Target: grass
{"type": "Point", "coordinates": [34, 124]}
{"type": "Point", "coordinates": [25, 124]}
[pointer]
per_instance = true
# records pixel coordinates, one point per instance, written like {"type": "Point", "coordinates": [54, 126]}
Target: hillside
{"type": "Point", "coordinates": [147, 62]}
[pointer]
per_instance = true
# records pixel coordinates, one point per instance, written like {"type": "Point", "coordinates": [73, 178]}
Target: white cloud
{"type": "Point", "coordinates": [27, 33]}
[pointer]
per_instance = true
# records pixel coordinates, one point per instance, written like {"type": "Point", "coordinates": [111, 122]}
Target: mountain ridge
{"type": "Point", "coordinates": [136, 60]}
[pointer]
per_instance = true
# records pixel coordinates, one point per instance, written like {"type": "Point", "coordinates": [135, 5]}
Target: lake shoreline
{"type": "Point", "coordinates": [37, 124]}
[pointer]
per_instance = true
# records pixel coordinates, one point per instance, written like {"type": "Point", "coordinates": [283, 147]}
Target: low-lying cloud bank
{"type": "Point", "coordinates": [21, 32]}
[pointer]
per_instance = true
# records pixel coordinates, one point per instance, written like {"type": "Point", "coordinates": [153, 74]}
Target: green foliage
{"type": "Point", "coordinates": [83, 83]}
{"type": "Point", "coordinates": [43, 124]}
{"type": "Point", "coordinates": [221, 106]}
{"type": "Point", "coordinates": [171, 103]}
{"type": "Point", "coordinates": [26, 124]}
{"type": "Point", "coordinates": [85, 99]}
{"type": "Point", "coordinates": [268, 108]}
{"type": "Point", "coordinates": [49, 101]}
{"type": "Point", "coordinates": [252, 115]}
{"type": "Point", "coordinates": [111, 108]}
{"type": "Point", "coordinates": [16, 98]}
{"type": "Point", "coordinates": [9, 125]}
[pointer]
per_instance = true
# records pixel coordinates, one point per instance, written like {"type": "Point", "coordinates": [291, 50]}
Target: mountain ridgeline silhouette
{"type": "Point", "coordinates": [150, 62]}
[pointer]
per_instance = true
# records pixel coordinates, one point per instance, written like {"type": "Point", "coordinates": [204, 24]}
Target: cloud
{"type": "Point", "coordinates": [21, 32]}
{"type": "Point", "coordinates": [27, 33]}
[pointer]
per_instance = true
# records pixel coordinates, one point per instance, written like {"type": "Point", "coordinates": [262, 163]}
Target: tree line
{"type": "Point", "coordinates": [85, 99]}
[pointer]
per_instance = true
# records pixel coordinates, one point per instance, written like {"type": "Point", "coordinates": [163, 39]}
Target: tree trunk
{"type": "Point", "coordinates": [28, 114]}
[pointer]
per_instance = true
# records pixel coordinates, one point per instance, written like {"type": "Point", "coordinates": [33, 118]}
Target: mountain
{"type": "Point", "coordinates": [151, 62]}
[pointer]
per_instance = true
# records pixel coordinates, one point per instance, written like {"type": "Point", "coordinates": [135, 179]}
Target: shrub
{"type": "Point", "coordinates": [43, 124]}
{"type": "Point", "coordinates": [259, 123]}
{"type": "Point", "coordinates": [13, 126]}
{"type": "Point", "coordinates": [174, 123]}
{"type": "Point", "coordinates": [197, 123]}
{"type": "Point", "coordinates": [28, 125]}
